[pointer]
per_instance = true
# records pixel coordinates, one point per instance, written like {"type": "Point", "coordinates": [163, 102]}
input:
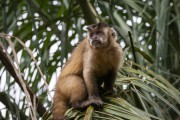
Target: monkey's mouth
{"type": "Point", "coordinates": [96, 43]}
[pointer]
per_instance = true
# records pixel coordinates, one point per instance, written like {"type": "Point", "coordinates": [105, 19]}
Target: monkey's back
{"type": "Point", "coordinates": [74, 66]}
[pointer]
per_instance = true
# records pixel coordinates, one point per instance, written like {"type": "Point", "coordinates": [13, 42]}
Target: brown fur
{"type": "Point", "coordinates": [86, 70]}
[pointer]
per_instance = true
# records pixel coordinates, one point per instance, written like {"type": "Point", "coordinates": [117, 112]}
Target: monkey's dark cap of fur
{"type": "Point", "coordinates": [97, 26]}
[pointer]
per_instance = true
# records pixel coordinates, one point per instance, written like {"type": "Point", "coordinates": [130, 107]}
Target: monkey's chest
{"type": "Point", "coordinates": [102, 68]}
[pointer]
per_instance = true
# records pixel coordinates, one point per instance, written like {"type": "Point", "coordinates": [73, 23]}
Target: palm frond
{"type": "Point", "coordinates": [155, 93]}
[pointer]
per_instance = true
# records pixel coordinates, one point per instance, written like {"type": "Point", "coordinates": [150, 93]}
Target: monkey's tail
{"type": "Point", "coordinates": [59, 109]}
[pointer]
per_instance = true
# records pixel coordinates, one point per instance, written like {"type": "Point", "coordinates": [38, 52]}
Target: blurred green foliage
{"type": "Point", "coordinates": [52, 28]}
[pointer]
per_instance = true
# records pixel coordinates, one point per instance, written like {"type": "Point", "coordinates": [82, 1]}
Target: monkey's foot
{"type": "Point", "coordinates": [96, 101]}
{"type": "Point", "coordinates": [93, 100]}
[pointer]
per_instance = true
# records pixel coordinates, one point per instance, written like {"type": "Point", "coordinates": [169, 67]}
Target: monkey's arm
{"type": "Point", "coordinates": [92, 87]}
{"type": "Point", "coordinates": [91, 83]}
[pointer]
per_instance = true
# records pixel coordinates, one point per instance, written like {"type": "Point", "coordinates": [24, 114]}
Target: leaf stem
{"type": "Point", "coordinates": [132, 46]}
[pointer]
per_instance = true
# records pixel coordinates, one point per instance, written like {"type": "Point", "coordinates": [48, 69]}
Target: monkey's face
{"type": "Point", "coordinates": [97, 38]}
{"type": "Point", "coordinates": [99, 35]}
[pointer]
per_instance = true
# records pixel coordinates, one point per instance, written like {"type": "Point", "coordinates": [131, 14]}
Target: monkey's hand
{"type": "Point", "coordinates": [96, 101]}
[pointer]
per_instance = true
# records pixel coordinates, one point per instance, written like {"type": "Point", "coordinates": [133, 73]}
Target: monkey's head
{"type": "Point", "coordinates": [100, 35]}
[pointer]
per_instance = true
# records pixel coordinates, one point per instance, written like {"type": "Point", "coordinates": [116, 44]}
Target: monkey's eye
{"type": "Point", "coordinates": [99, 33]}
{"type": "Point", "coordinates": [92, 34]}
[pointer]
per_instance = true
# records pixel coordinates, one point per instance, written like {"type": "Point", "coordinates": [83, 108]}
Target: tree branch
{"type": "Point", "coordinates": [12, 107]}
{"type": "Point", "coordinates": [8, 65]}
{"type": "Point", "coordinates": [89, 12]}
{"type": "Point", "coordinates": [132, 46]}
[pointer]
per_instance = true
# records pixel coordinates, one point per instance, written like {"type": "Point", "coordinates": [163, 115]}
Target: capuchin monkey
{"type": "Point", "coordinates": [92, 65]}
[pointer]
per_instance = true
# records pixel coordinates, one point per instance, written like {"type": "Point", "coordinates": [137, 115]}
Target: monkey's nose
{"type": "Point", "coordinates": [95, 37]}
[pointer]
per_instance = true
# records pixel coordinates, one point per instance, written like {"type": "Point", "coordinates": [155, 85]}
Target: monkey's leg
{"type": "Point", "coordinates": [77, 91]}
{"type": "Point", "coordinates": [70, 90]}
{"type": "Point", "coordinates": [109, 82]}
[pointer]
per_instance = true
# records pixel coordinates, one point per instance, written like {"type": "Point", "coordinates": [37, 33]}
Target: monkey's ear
{"type": "Point", "coordinates": [113, 33]}
{"type": "Point", "coordinates": [89, 28]}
